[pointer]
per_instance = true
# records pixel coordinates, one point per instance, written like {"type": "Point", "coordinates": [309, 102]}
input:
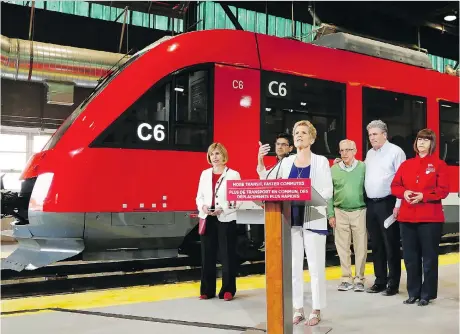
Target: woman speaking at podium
{"type": "Point", "coordinates": [309, 230]}
{"type": "Point", "coordinates": [217, 226]}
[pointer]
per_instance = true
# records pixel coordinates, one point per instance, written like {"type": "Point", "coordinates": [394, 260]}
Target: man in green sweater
{"type": "Point", "coordinates": [347, 215]}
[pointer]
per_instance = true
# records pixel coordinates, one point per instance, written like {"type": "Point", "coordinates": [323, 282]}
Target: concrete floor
{"type": "Point", "coordinates": [347, 312]}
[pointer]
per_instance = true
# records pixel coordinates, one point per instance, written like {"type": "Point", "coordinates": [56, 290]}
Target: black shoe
{"type": "Point", "coordinates": [411, 300]}
{"type": "Point", "coordinates": [423, 302]}
{"type": "Point", "coordinates": [376, 288]}
{"type": "Point", "coordinates": [390, 291]}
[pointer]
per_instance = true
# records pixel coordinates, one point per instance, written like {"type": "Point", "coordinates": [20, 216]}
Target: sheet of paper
{"type": "Point", "coordinates": [390, 220]}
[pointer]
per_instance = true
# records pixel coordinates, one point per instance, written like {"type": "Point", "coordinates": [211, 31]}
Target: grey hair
{"type": "Point", "coordinates": [353, 144]}
{"type": "Point", "coordinates": [377, 124]}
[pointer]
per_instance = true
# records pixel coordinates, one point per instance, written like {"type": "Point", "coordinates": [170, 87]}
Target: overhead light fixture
{"type": "Point", "coordinates": [450, 18]}
{"type": "Point", "coordinates": [179, 89]}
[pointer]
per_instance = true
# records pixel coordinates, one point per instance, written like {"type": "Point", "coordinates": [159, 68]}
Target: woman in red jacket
{"type": "Point", "coordinates": [421, 182]}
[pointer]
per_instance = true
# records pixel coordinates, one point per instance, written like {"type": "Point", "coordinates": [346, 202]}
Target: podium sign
{"type": "Point", "coordinates": [277, 194]}
{"type": "Point", "coordinates": [269, 190]}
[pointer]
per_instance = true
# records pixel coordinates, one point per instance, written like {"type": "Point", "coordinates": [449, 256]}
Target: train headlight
{"type": "Point", "coordinates": [40, 191]}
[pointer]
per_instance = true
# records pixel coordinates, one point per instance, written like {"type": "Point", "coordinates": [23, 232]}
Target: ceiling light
{"type": "Point", "coordinates": [449, 18]}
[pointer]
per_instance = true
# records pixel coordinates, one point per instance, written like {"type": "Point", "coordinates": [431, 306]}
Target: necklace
{"type": "Point", "coordinates": [299, 170]}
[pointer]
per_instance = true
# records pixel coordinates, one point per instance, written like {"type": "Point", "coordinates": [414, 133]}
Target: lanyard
{"type": "Point", "coordinates": [222, 180]}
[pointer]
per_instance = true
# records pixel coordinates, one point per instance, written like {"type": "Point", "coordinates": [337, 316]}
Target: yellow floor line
{"type": "Point", "coordinates": [143, 294]}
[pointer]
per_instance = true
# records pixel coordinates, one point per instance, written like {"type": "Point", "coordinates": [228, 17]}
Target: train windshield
{"type": "Point", "coordinates": [102, 83]}
{"type": "Point", "coordinates": [111, 73]}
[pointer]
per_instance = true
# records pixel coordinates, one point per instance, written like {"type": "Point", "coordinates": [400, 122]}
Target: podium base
{"type": "Point", "coordinates": [300, 329]}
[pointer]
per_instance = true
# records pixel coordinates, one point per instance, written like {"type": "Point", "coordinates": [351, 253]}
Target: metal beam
{"type": "Point", "coordinates": [396, 13]}
{"type": "Point", "coordinates": [316, 20]}
{"type": "Point", "coordinates": [31, 38]}
{"type": "Point", "coordinates": [231, 16]}
{"type": "Point", "coordinates": [123, 29]}
{"type": "Point", "coordinates": [450, 8]}
{"type": "Point", "coordinates": [164, 8]}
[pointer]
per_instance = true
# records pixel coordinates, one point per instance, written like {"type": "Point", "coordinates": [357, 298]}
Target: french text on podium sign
{"type": "Point", "coordinates": [269, 190]}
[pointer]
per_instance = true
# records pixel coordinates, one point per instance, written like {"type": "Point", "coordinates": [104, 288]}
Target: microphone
{"type": "Point", "coordinates": [278, 163]}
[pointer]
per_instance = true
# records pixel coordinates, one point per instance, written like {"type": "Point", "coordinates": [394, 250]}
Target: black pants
{"type": "Point", "coordinates": [258, 234]}
{"type": "Point", "coordinates": [421, 242]}
{"type": "Point", "coordinates": [222, 235]}
{"type": "Point", "coordinates": [385, 242]}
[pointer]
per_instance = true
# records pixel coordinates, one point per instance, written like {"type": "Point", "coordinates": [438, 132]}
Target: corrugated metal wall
{"type": "Point", "coordinates": [212, 16]}
{"type": "Point", "coordinates": [440, 63]}
{"type": "Point", "coordinates": [107, 13]}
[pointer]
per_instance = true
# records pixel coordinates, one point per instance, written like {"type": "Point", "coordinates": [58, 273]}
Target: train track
{"type": "Point", "coordinates": [62, 269]}
{"type": "Point", "coordinates": [59, 283]}
{"type": "Point", "coordinates": [72, 278]}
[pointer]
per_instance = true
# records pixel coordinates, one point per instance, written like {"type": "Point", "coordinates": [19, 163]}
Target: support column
{"type": "Point", "coordinates": [278, 268]}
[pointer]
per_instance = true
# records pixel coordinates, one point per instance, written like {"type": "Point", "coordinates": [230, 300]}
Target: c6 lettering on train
{"type": "Point", "coordinates": [238, 84]}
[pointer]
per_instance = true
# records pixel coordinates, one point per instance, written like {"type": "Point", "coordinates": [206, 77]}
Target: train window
{"type": "Point", "coordinates": [191, 109]}
{"type": "Point", "coordinates": [143, 125]}
{"type": "Point", "coordinates": [403, 114]}
{"type": "Point", "coordinates": [174, 114]}
{"type": "Point", "coordinates": [448, 132]}
{"type": "Point", "coordinates": [288, 99]}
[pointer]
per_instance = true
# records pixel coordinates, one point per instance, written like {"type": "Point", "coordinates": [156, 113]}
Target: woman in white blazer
{"type": "Point", "coordinates": [309, 224]}
{"type": "Point", "coordinates": [220, 225]}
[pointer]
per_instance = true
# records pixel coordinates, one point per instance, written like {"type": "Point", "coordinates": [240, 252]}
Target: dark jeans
{"type": "Point", "coordinates": [222, 235]}
{"type": "Point", "coordinates": [385, 242]}
{"type": "Point", "coordinates": [421, 243]}
{"type": "Point", "coordinates": [258, 234]}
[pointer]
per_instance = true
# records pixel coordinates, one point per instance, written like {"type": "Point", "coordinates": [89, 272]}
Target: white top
{"type": "Point", "coordinates": [204, 194]}
{"type": "Point", "coordinates": [321, 181]}
{"type": "Point", "coordinates": [381, 167]}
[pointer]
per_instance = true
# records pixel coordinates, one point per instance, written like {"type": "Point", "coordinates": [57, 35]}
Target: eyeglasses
{"type": "Point", "coordinates": [282, 144]}
{"type": "Point", "coordinates": [346, 150]}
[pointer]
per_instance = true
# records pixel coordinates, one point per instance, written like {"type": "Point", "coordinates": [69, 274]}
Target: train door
{"type": "Point", "coordinates": [237, 127]}
{"type": "Point", "coordinates": [449, 152]}
{"type": "Point", "coordinates": [236, 115]}
{"type": "Point", "coordinates": [287, 99]}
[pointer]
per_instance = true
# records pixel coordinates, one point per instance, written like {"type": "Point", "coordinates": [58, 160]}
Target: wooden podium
{"type": "Point", "coordinates": [277, 196]}
{"type": "Point", "coordinates": [278, 269]}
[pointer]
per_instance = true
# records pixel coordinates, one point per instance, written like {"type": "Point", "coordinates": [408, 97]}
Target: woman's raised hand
{"type": "Point", "coordinates": [263, 149]}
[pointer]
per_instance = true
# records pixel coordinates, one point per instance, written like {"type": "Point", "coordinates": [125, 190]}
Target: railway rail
{"type": "Point", "coordinates": [71, 278]}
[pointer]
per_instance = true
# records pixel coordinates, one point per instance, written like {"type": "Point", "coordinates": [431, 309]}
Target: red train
{"type": "Point", "coordinates": [118, 179]}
